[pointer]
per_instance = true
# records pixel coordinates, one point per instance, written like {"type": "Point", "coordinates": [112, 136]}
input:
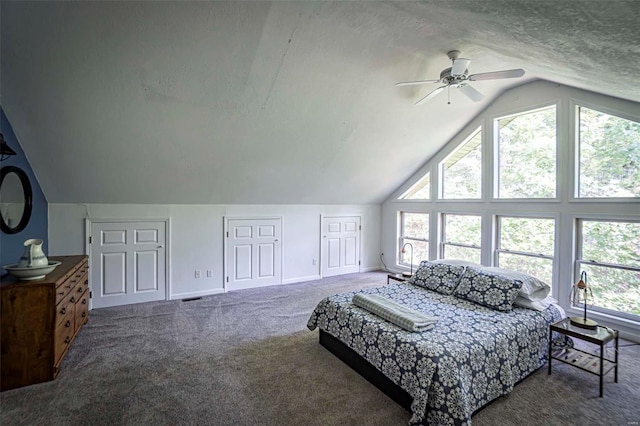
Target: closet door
{"type": "Point", "coordinates": [127, 262]}
{"type": "Point", "coordinates": [340, 245]}
{"type": "Point", "coordinates": [253, 253]}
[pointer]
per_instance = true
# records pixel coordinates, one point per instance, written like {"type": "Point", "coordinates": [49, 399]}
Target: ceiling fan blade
{"type": "Point", "coordinates": [497, 74]}
{"type": "Point", "coordinates": [460, 66]}
{"type": "Point", "coordinates": [471, 93]}
{"type": "Point", "coordinates": [431, 95]}
{"type": "Point", "coordinates": [411, 83]}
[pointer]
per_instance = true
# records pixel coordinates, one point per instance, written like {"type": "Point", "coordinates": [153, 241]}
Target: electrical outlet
{"type": "Point", "coordinates": [313, 262]}
{"type": "Point", "coordinates": [197, 273]}
{"type": "Point", "coordinates": [209, 273]}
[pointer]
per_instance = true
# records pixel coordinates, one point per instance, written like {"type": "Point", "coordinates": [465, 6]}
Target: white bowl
{"type": "Point", "coordinates": [34, 273]}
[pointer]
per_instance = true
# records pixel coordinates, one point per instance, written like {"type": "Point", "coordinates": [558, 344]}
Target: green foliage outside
{"type": "Point", "coordinates": [462, 175]}
{"type": "Point", "coordinates": [416, 232]}
{"type": "Point", "coordinates": [527, 150]}
{"type": "Point", "coordinates": [530, 235]}
{"type": "Point", "coordinates": [609, 155]}
{"type": "Point", "coordinates": [612, 243]}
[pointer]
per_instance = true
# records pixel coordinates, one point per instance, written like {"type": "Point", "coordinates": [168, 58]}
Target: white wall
{"type": "Point", "coordinates": [196, 237]}
{"type": "Point", "coordinates": [564, 209]}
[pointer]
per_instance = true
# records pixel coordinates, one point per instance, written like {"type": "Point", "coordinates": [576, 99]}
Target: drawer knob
{"type": "Point", "coordinates": [80, 290]}
{"type": "Point", "coordinates": [67, 324]}
{"type": "Point", "coordinates": [84, 301]}
{"type": "Point", "coordinates": [67, 339]}
{"type": "Point", "coordinates": [63, 311]}
{"type": "Point", "coordinates": [67, 286]}
{"type": "Point", "coordinates": [73, 299]}
{"type": "Point", "coordinates": [61, 293]}
{"type": "Point", "coordinates": [84, 314]}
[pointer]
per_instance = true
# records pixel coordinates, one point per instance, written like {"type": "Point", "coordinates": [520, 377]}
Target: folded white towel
{"type": "Point", "coordinates": [400, 315]}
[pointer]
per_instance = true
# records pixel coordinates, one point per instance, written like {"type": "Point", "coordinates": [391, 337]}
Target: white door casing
{"type": "Point", "coordinates": [128, 262]}
{"type": "Point", "coordinates": [253, 253]}
{"type": "Point", "coordinates": [340, 245]}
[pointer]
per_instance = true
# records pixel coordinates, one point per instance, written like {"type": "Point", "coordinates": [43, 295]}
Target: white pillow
{"type": "Point", "coordinates": [456, 262]}
{"type": "Point", "coordinates": [537, 305]}
{"type": "Point", "coordinates": [532, 288]}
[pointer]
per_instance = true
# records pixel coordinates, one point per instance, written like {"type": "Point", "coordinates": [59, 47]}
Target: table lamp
{"type": "Point", "coordinates": [403, 251]}
{"type": "Point", "coordinates": [580, 292]}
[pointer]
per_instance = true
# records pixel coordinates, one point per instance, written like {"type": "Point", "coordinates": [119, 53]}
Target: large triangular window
{"type": "Point", "coordinates": [461, 171]}
{"type": "Point", "coordinates": [419, 191]}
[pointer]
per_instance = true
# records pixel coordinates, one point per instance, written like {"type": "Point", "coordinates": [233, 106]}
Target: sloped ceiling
{"type": "Point", "coordinates": [283, 102]}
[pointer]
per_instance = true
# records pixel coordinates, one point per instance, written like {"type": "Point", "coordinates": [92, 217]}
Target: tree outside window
{"type": "Point", "coordinates": [461, 237]}
{"type": "Point", "coordinates": [609, 251]}
{"type": "Point", "coordinates": [609, 149]}
{"type": "Point", "coordinates": [414, 229]}
{"type": "Point", "coordinates": [526, 245]}
{"type": "Point", "coordinates": [527, 155]}
{"type": "Point", "coordinates": [461, 171]}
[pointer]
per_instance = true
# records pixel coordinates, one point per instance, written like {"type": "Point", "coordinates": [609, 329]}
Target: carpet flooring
{"type": "Point", "coordinates": [247, 358]}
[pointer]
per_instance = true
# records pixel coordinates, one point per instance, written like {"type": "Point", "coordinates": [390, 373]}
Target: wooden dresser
{"type": "Point", "coordinates": [40, 319]}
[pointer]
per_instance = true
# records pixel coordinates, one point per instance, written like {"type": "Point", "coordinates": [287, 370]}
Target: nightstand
{"type": "Point", "coordinates": [592, 363]}
{"type": "Point", "coordinates": [397, 277]}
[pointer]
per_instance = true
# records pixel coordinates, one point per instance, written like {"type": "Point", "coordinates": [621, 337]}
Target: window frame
{"type": "Point", "coordinates": [405, 193]}
{"type": "Point", "coordinates": [578, 261]}
{"type": "Point", "coordinates": [443, 229]}
{"type": "Point", "coordinates": [495, 172]}
{"type": "Point", "coordinates": [402, 237]}
{"type": "Point", "coordinates": [574, 118]}
{"type": "Point", "coordinates": [497, 232]}
{"type": "Point", "coordinates": [441, 165]}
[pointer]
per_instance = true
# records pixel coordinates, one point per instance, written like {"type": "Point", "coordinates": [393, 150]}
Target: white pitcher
{"type": "Point", "coordinates": [33, 255]}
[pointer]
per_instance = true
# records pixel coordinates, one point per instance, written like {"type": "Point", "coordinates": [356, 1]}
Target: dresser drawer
{"type": "Point", "coordinates": [65, 306]}
{"type": "Point", "coordinates": [82, 310]}
{"type": "Point", "coordinates": [64, 335]}
{"type": "Point", "coordinates": [82, 285]}
{"type": "Point", "coordinates": [64, 289]}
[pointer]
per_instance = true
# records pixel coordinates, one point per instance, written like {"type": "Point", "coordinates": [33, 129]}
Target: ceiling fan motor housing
{"type": "Point", "coordinates": [447, 78]}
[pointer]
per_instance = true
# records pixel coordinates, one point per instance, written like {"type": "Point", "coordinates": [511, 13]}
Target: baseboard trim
{"type": "Point", "coordinates": [301, 279]}
{"type": "Point", "coordinates": [371, 269]}
{"type": "Point", "coordinates": [191, 294]}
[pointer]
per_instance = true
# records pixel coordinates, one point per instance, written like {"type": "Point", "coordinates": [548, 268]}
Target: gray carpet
{"type": "Point", "coordinates": [247, 358]}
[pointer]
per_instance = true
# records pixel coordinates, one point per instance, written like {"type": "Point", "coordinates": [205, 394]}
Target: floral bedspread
{"type": "Point", "coordinates": [472, 356]}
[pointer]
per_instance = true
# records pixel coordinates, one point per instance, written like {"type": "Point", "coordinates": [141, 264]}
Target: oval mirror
{"type": "Point", "coordinates": [15, 199]}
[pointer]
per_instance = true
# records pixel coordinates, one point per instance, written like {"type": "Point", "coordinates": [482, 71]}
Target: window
{"type": "Point", "coordinates": [461, 237]}
{"type": "Point", "coordinates": [527, 155]}
{"type": "Point", "coordinates": [419, 190]}
{"type": "Point", "coordinates": [609, 252]}
{"type": "Point", "coordinates": [609, 149]}
{"type": "Point", "coordinates": [461, 171]}
{"type": "Point", "coordinates": [526, 245]}
{"type": "Point", "coordinates": [414, 229]}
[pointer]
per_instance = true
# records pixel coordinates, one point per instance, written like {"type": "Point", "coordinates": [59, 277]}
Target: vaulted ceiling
{"type": "Point", "coordinates": [282, 102]}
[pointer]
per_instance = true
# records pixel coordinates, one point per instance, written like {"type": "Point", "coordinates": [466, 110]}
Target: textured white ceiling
{"type": "Point", "coordinates": [283, 102]}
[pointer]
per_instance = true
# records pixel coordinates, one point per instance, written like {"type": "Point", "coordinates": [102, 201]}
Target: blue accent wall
{"type": "Point", "coordinates": [11, 245]}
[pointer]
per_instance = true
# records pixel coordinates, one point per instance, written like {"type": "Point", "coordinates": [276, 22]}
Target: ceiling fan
{"type": "Point", "coordinates": [458, 76]}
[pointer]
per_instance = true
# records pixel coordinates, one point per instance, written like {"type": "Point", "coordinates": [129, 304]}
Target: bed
{"type": "Point", "coordinates": [475, 353]}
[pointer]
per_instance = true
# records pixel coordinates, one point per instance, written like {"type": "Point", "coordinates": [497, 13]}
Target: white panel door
{"type": "Point", "coordinates": [253, 252]}
{"type": "Point", "coordinates": [127, 263]}
{"type": "Point", "coordinates": [340, 245]}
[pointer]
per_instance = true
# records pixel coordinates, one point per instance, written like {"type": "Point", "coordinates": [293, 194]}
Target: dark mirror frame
{"type": "Point", "coordinates": [28, 199]}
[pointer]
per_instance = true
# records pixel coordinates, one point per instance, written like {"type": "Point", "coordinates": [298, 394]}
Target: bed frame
{"type": "Point", "coordinates": [366, 370]}
{"type": "Point", "coordinates": [374, 376]}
